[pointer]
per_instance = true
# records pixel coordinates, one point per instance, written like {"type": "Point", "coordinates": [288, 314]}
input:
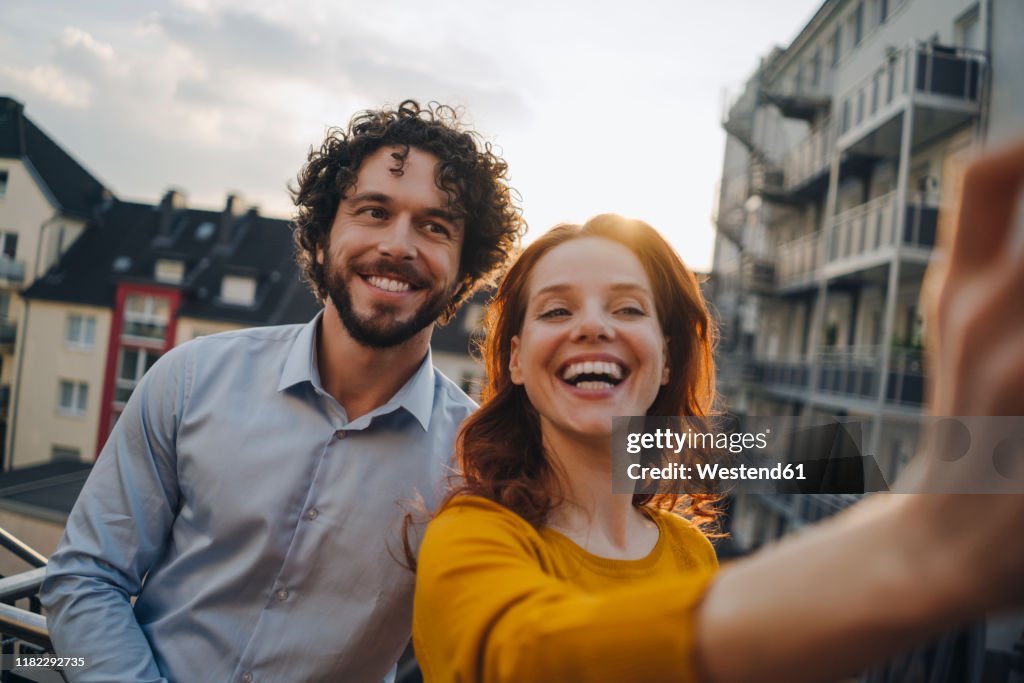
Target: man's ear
{"type": "Point", "coordinates": [515, 372]}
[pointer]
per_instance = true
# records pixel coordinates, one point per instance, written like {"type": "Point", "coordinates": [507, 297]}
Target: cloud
{"type": "Point", "coordinates": [50, 83]}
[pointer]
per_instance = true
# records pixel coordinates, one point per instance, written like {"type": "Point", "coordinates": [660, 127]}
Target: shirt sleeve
{"type": "Point", "coordinates": [486, 611]}
{"type": "Point", "coordinates": [117, 530]}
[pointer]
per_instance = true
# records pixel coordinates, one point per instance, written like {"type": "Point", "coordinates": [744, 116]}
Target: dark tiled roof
{"type": "Point", "coordinates": [127, 239]}
{"type": "Point", "coordinates": [75, 190]}
{"type": "Point", "coordinates": [52, 487]}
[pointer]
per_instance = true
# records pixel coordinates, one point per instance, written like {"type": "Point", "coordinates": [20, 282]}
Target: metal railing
{"type": "Point", "coordinates": [925, 68]}
{"type": "Point", "coordinates": [810, 157]}
{"type": "Point", "coordinates": [12, 269]}
{"type": "Point", "coordinates": [876, 224]}
{"type": "Point", "coordinates": [22, 631]}
{"type": "Point", "coordinates": [796, 261]}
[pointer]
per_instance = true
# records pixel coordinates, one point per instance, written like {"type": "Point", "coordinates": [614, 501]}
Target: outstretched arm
{"type": "Point", "coordinates": [117, 530]}
{"type": "Point", "coordinates": [896, 569]}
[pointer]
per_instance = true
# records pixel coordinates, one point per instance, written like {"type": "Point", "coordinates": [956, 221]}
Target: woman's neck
{"type": "Point", "coordinates": [602, 522]}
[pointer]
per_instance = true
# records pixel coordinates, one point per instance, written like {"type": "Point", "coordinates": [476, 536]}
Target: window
{"type": "Point", "coordinates": [9, 244]}
{"type": "Point", "coordinates": [3, 184]}
{"type": "Point", "coordinates": [5, 305]}
{"type": "Point", "coordinates": [837, 46]}
{"type": "Point", "coordinates": [816, 67]}
{"type": "Point", "coordinates": [858, 23]}
{"type": "Point", "coordinates": [966, 29]}
{"type": "Point", "coordinates": [65, 454]}
{"type": "Point", "coordinates": [146, 317]}
{"type": "Point", "coordinates": [80, 330]}
{"type": "Point", "coordinates": [238, 290]}
{"type": "Point", "coordinates": [132, 365]}
{"type": "Point", "coordinates": [883, 10]}
{"type": "Point", "coordinates": [72, 396]}
{"type": "Point", "coordinates": [170, 271]}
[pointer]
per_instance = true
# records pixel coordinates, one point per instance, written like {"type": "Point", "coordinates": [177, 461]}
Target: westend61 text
{"type": "Point", "coordinates": [712, 472]}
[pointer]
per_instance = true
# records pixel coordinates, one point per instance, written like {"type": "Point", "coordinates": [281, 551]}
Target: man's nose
{"type": "Point", "coordinates": [398, 239]}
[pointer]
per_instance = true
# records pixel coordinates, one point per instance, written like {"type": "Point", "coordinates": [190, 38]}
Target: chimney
{"type": "Point", "coordinates": [233, 208]}
{"type": "Point", "coordinates": [172, 202]}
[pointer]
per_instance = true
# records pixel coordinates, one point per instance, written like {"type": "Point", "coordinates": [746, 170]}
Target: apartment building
{"type": "Point", "coordinates": [841, 149]}
{"type": "Point", "coordinates": [46, 200]}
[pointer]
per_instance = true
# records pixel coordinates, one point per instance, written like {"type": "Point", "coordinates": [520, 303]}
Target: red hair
{"type": "Point", "coordinates": [499, 450]}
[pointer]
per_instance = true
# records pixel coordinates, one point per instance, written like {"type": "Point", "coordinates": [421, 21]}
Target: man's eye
{"type": "Point", "coordinates": [438, 229]}
{"type": "Point", "coordinates": [375, 212]}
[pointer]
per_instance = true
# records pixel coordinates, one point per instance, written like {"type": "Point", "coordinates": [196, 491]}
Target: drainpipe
{"type": "Point", "coordinates": [19, 342]}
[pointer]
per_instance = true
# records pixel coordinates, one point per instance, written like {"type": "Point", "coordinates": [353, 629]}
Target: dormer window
{"type": "Point", "coordinates": [238, 290]}
{"type": "Point", "coordinates": [170, 271]}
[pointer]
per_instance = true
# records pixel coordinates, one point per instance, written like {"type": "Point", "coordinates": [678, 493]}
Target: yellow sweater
{"type": "Point", "coordinates": [496, 600]}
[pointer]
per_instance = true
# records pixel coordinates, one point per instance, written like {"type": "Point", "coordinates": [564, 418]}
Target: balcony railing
{"type": "Point", "coordinates": [810, 157]}
{"type": "Point", "coordinates": [8, 333]}
{"type": "Point", "coordinates": [797, 261]}
{"type": "Point", "coordinates": [873, 226]}
{"type": "Point", "coordinates": [804, 95]}
{"type": "Point", "coordinates": [792, 373]}
{"type": "Point", "coordinates": [12, 269]}
{"type": "Point", "coordinates": [856, 372]}
{"type": "Point", "coordinates": [929, 69]}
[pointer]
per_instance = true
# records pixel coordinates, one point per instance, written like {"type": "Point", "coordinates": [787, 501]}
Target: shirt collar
{"type": "Point", "coordinates": [416, 395]}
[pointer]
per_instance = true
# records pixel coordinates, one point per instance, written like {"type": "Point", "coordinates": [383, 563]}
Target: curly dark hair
{"type": "Point", "coordinates": [470, 172]}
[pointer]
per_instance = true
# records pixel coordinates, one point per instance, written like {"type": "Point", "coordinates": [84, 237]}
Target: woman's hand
{"type": "Point", "coordinates": [975, 295]}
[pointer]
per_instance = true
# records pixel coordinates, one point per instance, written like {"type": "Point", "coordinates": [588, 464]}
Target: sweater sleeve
{"type": "Point", "coordinates": [486, 611]}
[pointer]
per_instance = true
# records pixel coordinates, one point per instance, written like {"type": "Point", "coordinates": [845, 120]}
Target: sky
{"type": "Point", "coordinates": [596, 105]}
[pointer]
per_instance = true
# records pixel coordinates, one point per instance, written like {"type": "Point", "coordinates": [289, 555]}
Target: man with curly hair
{"type": "Point", "coordinates": [249, 495]}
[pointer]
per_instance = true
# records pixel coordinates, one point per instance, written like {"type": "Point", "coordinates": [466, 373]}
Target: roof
{"type": "Point", "coordinates": [126, 239]}
{"type": "Point", "coordinates": [66, 182]}
{"type": "Point", "coordinates": [48, 490]}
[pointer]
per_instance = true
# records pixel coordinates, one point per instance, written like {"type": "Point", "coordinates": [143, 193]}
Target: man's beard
{"type": "Point", "coordinates": [381, 331]}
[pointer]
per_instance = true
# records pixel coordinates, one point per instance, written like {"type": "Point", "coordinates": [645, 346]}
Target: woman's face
{"type": "Point", "coordinates": [591, 346]}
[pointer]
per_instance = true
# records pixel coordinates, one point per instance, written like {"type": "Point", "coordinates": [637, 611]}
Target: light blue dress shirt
{"type": "Point", "coordinates": [257, 526]}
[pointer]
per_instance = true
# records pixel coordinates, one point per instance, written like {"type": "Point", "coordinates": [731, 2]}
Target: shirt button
{"type": "Point", "coordinates": [312, 513]}
{"type": "Point", "coordinates": [247, 677]}
{"type": "Point", "coordinates": [281, 595]}
{"type": "Point", "coordinates": [340, 434]}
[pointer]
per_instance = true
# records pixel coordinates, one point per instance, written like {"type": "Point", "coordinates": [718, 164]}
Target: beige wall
{"type": "Point", "coordinates": [26, 210]}
{"type": "Point", "coordinates": [190, 328]}
{"type": "Point", "coordinates": [40, 425]}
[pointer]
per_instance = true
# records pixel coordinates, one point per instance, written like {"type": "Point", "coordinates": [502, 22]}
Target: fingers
{"type": "Point", "coordinates": [988, 200]}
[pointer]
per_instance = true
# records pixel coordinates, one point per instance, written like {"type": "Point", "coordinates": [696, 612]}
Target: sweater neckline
{"type": "Point", "coordinates": [613, 564]}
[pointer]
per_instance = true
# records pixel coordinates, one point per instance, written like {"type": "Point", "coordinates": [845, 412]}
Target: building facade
{"type": "Point", "coordinates": [46, 200]}
{"type": "Point", "coordinates": [841, 151]}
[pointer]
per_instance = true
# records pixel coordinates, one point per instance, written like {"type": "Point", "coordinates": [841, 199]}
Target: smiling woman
{"type": "Point", "coordinates": [533, 570]}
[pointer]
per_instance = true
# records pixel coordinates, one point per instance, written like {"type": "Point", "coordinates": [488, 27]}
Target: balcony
{"type": "Point", "coordinates": [785, 376]}
{"type": "Point", "coordinates": [867, 235]}
{"type": "Point", "coordinates": [946, 84]}
{"type": "Point", "coordinates": [12, 270]}
{"type": "Point", "coordinates": [854, 372]}
{"type": "Point", "coordinates": [757, 274]}
{"type": "Point", "coordinates": [796, 263]}
{"type": "Point", "coordinates": [8, 335]}
{"type": "Point", "coordinates": [809, 160]}
{"type": "Point", "coordinates": [801, 97]}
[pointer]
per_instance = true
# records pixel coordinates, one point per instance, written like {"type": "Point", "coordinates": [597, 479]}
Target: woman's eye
{"type": "Point", "coordinates": [632, 310]}
{"type": "Point", "coordinates": [554, 313]}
